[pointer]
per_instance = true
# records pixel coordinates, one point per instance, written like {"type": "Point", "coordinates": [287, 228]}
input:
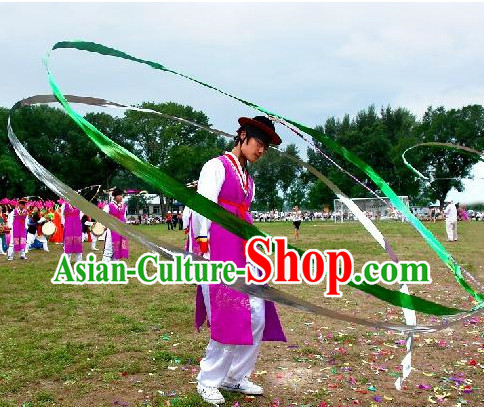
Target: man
{"type": "Point", "coordinates": [18, 231]}
{"type": "Point", "coordinates": [168, 220]}
{"type": "Point", "coordinates": [174, 220]}
{"type": "Point", "coordinates": [42, 218]}
{"type": "Point", "coordinates": [238, 321]}
{"type": "Point", "coordinates": [115, 245]}
{"type": "Point", "coordinates": [296, 221]}
{"type": "Point", "coordinates": [450, 213]}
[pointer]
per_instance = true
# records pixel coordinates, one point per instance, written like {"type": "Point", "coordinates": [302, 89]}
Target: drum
{"type": "Point", "coordinates": [48, 229]}
{"type": "Point", "coordinates": [97, 229]}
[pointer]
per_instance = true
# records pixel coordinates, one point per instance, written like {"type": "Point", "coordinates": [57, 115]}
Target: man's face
{"type": "Point", "coordinates": [254, 149]}
{"type": "Point", "coordinates": [118, 198]}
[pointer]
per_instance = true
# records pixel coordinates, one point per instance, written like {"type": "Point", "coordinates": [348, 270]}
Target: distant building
{"type": "Point", "coordinates": [154, 205]}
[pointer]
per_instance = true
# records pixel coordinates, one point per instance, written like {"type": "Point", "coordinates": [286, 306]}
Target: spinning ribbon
{"type": "Point", "coordinates": [94, 134]}
{"type": "Point", "coordinates": [212, 211]}
{"type": "Point", "coordinates": [438, 144]}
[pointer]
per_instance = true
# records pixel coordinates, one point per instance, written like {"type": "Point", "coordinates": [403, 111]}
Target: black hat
{"type": "Point", "coordinates": [264, 124]}
{"type": "Point", "coordinates": [22, 201]}
{"type": "Point", "coordinates": [117, 192]}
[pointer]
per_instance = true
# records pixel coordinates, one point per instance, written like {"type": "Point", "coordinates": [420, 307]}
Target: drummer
{"type": "Point", "coordinates": [43, 219]}
{"type": "Point", "coordinates": [87, 234]}
{"type": "Point", "coordinates": [32, 224]}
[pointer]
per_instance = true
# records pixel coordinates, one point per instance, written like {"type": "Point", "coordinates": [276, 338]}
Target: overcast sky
{"type": "Point", "coordinates": [306, 61]}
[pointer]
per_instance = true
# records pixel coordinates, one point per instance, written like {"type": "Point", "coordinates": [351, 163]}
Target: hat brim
{"type": "Point", "coordinates": [274, 138]}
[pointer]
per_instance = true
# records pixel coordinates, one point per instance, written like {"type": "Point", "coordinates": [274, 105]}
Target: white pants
{"type": "Point", "coordinates": [30, 240]}
{"type": "Point", "coordinates": [451, 228]}
{"type": "Point", "coordinates": [232, 363]}
{"type": "Point", "coordinates": [108, 247]}
{"type": "Point", "coordinates": [78, 256]}
{"type": "Point", "coordinates": [42, 239]}
{"type": "Point", "coordinates": [10, 252]}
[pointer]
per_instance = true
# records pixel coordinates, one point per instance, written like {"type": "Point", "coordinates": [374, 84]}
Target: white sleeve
{"type": "Point", "coordinates": [10, 219]}
{"type": "Point", "coordinates": [210, 183]}
{"type": "Point", "coordinates": [63, 220]}
{"type": "Point", "coordinates": [185, 216]}
{"type": "Point", "coordinates": [106, 208]}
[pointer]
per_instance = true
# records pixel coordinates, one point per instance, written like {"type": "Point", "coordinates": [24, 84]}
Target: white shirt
{"type": "Point", "coordinates": [450, 213]}
{"type": "Point", "coordinates": [186, 216]}
{"type": "Point", "coordinates": [10, 219]}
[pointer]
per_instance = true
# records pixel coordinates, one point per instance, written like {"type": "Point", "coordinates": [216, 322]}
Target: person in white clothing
{"type": "Point", "coordinates": [296, 221]}
{"type": "Point", "coordinates": [450, 213]}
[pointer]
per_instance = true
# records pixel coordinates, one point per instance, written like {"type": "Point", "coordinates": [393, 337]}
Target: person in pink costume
{"type": "Point", "coordinates": [115, 245]}
{"type": "Point", "coordinates": [71, 220]}
{"type": "Point", "coordinates": [238, 322]}
{"type": "Point", "coordinates": [18, 230]}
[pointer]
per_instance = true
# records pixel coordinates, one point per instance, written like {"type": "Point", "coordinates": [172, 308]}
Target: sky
{"type": "Point", "coordinates": [306, 61]}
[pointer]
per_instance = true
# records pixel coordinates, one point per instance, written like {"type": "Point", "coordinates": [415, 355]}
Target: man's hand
{"type": "Point", "coordinates": [203, 243]}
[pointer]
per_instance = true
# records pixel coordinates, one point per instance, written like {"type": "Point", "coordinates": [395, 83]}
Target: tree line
{"type": "Point", "coordinates": [377, 137]}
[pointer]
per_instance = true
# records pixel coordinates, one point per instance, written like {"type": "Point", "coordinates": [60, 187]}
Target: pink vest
{"type": "Point", "coordinates": [230, 310]}
{"type": "Point", "coordinates": [120, 243]}
{"type": "Point", "coordinates": [19, 233]}
{"type": "Point", "coordinates": [72, 230]}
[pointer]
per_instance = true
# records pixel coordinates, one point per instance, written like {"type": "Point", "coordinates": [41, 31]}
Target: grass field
{"type": "Point", "coordinates": [135, 345]}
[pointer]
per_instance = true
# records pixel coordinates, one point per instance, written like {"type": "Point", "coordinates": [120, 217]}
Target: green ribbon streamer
{"type": "Point", "coordinates": [265, 292]}
{"type": "Point", "coordinates": [439, 144]}
{"type": "Point", "coordinates": [233, 224]}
